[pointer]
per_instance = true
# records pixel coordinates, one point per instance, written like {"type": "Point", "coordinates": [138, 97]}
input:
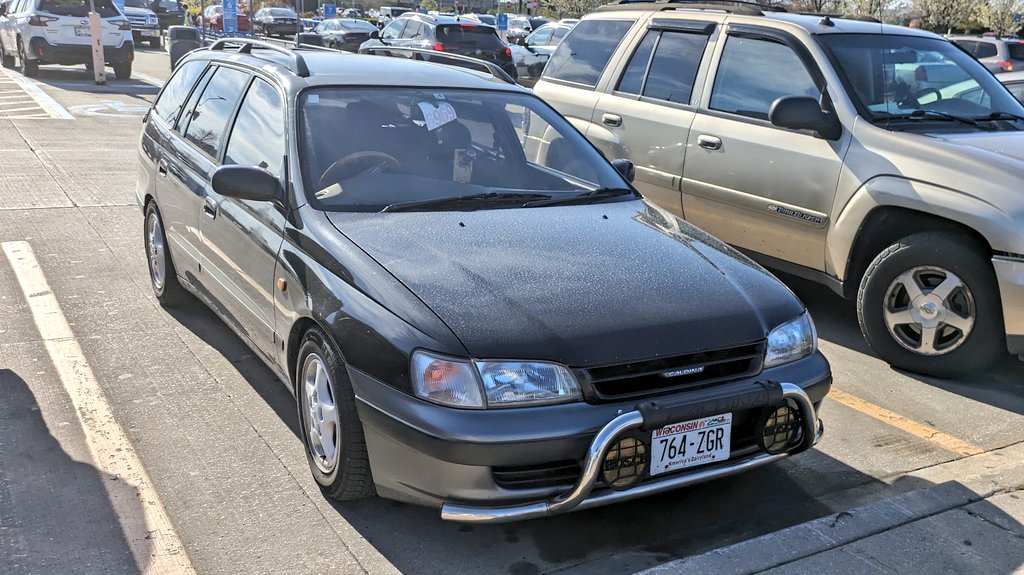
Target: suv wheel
{"type": "Point", "coordinates": [7, 60]}
{"type": "Point", "coordinates": [155, 43]}
{"type": "Point", "coordinates": [331, 430]}
{"type": "Point", "coordinates": [29, 68]}
{"type": "Point", "coordinates": [930, 304]}
{"type": "Point", "coordinates": [123, 70]}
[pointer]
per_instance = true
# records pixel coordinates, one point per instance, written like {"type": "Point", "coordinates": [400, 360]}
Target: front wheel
{"type": "Point", "coordinates": [154, 43]}
{"type": "Point", "coordinates": [331, 430]}
{"type": "Point", "coordinates": [930, 304]}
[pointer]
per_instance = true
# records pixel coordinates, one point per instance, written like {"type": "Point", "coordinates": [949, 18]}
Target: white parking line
{"type": "Point", "coordinates": [144, 522]}
{"type": "Point", "coordinates": [42, 98]}
{"type": "Point", "coordinates": [148, 79]}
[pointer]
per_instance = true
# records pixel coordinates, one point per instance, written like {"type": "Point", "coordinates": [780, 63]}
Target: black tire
{"type": "Point", "coordinates": [166, 288]}
{"type": "Point", "coordinates": [155, 42]}
{"type": "Point", "coordinates": [347, 477]}
{"type": "Point", "coordinates": [28, 68]}
{"type": "Point", "coordinates": [928, 258]}
{"type": "Point", "coordinates": [7, 60]}
{"type": "Point", "coordinates": [123, 70]}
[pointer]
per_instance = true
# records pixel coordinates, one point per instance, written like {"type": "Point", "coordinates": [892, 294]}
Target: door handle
{"type": "Point", "coordinates": [210, 207]}
{"type": "Point", "coordinates": [613, 120]}
{"type": "Point", "coordinates": [709, 142]}
{"type": "Point", "coordinates": [161, 167]}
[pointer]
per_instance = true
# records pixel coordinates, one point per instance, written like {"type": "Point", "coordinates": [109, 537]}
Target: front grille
{"type": "Point", "coordinates": [137, 20]}
{"type": "Point", "coordinates": [557, 474]}
{"type": "Point", "coordinates": [693, 370]}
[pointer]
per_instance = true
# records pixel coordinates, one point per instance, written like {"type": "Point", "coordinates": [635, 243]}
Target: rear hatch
{"type": "Point", "coordinates": [1016, 50]}
{"type": "Point", "coordinates": [473, 40]}
{"type": "Point", "coordinates": [70, 24]}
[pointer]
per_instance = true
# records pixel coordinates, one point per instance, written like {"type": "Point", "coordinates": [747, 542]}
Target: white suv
{"type": "Point", "coordinates": [34, 32]}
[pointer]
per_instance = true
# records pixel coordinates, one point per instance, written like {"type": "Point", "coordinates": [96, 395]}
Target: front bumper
{"type": "Point", "coordinates": [1010, 275]}
{"type": "Point", "coordinates": [145, 33]}
{"type": "Point", "coordinates": [70, 54]}
{"type": "Point", "coordinates": [460, 460]}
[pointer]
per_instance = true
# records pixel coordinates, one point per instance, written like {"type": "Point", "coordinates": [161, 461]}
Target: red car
{"type": "Point", "coordinates": [213, 17]}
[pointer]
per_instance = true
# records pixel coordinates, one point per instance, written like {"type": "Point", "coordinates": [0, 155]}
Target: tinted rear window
{"type": "Point", "coordinates": [105, 8]}
{"type": "Point", "coordinates": [1016, 51]}
{"type": "Point", "coordinates": [463, 35]}
{"type": "Point", "coordinates": [584, 53]}
{"type": "Point", "coordinates": [282, 12]}
{"type": "Point", "coordinates": [985, 50]}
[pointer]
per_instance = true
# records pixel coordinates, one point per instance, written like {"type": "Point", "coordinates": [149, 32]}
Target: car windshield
{"type": "Point", "coordinates": [356, 26]}
{"type": "Point", "coordinates": [138, 3]}
{"type": "Point", "coordinates": [370, 150]}
{"type": "Point", "coordinates": [912, 77]}
{"type": "Point", "coordinates": [282, 13]}
{"type": "Point", "coordinates": [518, 23]}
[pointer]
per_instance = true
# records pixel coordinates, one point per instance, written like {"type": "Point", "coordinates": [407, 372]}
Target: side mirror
{"type": "Point", "coordinates": [375, 35]}
{"type": "Point", "coordinates": [626, 168]}
{"type": "Point", "coordinates": [245, 183]}
{"type": "Point", "coordinates": [803, 113]}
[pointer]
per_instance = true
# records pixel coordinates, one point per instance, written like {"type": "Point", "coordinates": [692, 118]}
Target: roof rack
{"type": "Point", "coordinates": [245, 45]}
{"type": "Point", "coordinates": [743, 7]}
{"type": "Point", "coordinates": [492, 68]}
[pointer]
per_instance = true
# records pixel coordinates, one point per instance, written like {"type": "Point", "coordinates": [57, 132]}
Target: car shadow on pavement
{"type": "Point", "coordinates": [80, 79]}
{"type": "Point", "coordinates": [55, 512]}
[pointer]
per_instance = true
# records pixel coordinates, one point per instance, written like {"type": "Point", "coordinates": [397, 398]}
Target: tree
{"type": "Point", "coordinates": [1000, 16]}
{"type": "Point", "coordinates": [819, 6]}
{"type": "Point", "coordinates": [428, 5]}
{"type": "Point", "coordinates": [944, 15]}
{"type": "Point", "coordinates": [575, 8]}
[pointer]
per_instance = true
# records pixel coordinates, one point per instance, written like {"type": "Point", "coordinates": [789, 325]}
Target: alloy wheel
{"type": "Point", "coordinates": [929, 310]}
{"type": "Point", "coordinates": [320, 411]}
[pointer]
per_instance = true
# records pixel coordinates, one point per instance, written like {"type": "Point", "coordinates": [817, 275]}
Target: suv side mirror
{"type": "Point", "coordinates": [626, 168]}
{"type": "Point", "coordinates": [803, 113]}
{"type": "Point", "coordinates": [245, 183]}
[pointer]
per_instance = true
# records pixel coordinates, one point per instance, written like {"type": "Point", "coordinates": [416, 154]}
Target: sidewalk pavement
{"type": "Point", "coordinates": [968, 519]}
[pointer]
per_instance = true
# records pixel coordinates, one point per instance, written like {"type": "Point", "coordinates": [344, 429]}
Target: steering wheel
{"type": "Point", "coordinates": [358, 163]}
{"type": "Point", "coordinates": [916, 96]}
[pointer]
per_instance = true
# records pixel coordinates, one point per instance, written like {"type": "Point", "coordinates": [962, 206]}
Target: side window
{"type": "Point", "coordinates": [674, 66]}
{"type": "Point", "coordinates": [583, 55]}
{"type": "Point", "coordinates": [986, 50]}
{"type": "Point", "coordinates": [1017, 90]}
{"type": "Point", "coordinates": [969, 45]}
{"type": "Point", "coordinates": [393, 30]}
{"type": "Point", "coordinates": [754, 72]}
{"type": "Point", "coordinates": [213, 109]}
{"type": "Point", "coordinates": [558, 35]}
{"type": "Point", "coordinates": [257, 139]}
{"type": "Point", "coordinates": [540, 37]}
{"type": "Point", "coordinates": [173, 98]}
{"type": "Point", "coordinates": [632, 80]}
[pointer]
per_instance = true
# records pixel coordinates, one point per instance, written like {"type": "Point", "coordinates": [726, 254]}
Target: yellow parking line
{"type": "Point", "coordinates": [928, 433]}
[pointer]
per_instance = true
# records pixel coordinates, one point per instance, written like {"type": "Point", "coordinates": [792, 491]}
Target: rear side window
{"type": "Point", "coordinates": [986, 50]}
{"type": "Point", "coordinates": [172, 99]}
{"type": "Point", "coordinates": [754, 72]}
{"type": "Point", "coordinates": [475, 36]}
{"type": "Point", "coordinates": [967, 45]}
{"type": "Point", "coordinates": [583, 55]}
{"type": "Point", "coordinates": [105, 8]}
{"type": "Point", "coordinates": [632, 80]}
{"type": "Point", "coordinates": [1016, 51]}
{"type": "Point", "coordinates": [210, 117]}
{"type": "Point", "coordinates": [673, 69]}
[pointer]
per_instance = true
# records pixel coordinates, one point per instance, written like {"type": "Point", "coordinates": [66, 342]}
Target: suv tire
{"type": "Point", "coordinates": [954, 285]}
{"type": "Point", "coordinates": [162, 275]}
{"type": "Point", "coordinates": [155, 42]}
{"type": "Point", "coordinates": [123, 70]}
{"type": "Point", "coordinates": [7, 60]}
{"type": "Point", "coordinates": [335, 444]}
{"type": "Point", "coordinates": [29, 68]}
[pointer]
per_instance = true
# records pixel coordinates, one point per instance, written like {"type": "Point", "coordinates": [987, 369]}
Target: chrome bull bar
{"type": "Point", "coordinates": [579, 497]}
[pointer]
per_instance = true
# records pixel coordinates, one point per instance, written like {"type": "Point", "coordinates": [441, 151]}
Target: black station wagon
{"type": "Point", "coordinates": [474, 309]}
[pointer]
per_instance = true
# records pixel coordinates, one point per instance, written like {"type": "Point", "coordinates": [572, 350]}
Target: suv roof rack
{"type": "Point", "coordinates": [491, 67]}
{"type": "Point", "coordinates": [245, 45]}
{"type": "Point", "coordinates": [743, 7]}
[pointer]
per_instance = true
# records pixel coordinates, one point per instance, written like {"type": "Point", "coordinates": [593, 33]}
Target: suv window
{"type": "Point", "coordinates": [986, 50]}
{"type": "Point", "coordinates": [540, 37]}
{"type": "Point", "coordinates": [672, 70]}
{"type": "Point", "coordinates": [257, 139]}
{"type": "Point", "coordinates": [584, 53]}
{"type": "Point", "coordinates": [105, 8]}
{"type": "Point", "coordinates": [393, 30]}
{"type": "Point", "coordinates": [172, 99]}
{"type": "Point", "coordinates": [213, 109]}
{"type": "Point", "coordinates": [483, 37]}
{"type": "Point", "coordinates": [1016, 50]}
{"type": "Point", "coordinates": [754, 72]}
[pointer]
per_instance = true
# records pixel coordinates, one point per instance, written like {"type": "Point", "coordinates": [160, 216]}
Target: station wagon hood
{"type": "Point", "coordinates": [580, 285]}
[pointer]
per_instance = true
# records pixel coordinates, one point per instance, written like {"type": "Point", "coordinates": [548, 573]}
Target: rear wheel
{"type": "Point", "coordinates": [7, 60]}
{"type": "Point", "coordinates": [930, 304]}
{"type": "Point", "coordinates": [29, 68]}
{"type": "Point", "coordinates": [162, 275]}
{"type": "Point", "coordinates": [123, 70]}
{"type": "Point", "coordinates": [331, 430]}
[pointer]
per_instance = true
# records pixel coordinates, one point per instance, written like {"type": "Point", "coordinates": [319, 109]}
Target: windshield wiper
{"type": "Point", "coordinates": [469, 199]}
{"type": "Point", "coordinates": [1001, 116]}
{"type": "Point", "coordinates": [585, 198]}
{"type": "Point", "coordinates": [931, 115]}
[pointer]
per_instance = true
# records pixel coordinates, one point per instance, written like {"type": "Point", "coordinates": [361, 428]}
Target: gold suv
{"type": "Point", "coordinates": [881, 161]}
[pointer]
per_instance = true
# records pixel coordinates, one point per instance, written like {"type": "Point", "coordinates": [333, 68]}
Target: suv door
{"type": "Point", "coordinates": [241, 238]}
{"type": "Point", "coordinates": [755, 185]}
{"type": "Point", "coordinates": [647, 116]}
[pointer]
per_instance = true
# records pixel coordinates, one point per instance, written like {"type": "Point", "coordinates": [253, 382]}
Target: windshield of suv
{"type": "Point", "coordinates": [105, 8]}
{"type": "Point", "coordinates": [370, 150]}
{"type": "Point", "coordinates": [918, 78]}
{"type": "Point", "coordinates": [138, 3]}
{"type": "Point", "coordinates": [282, 13]}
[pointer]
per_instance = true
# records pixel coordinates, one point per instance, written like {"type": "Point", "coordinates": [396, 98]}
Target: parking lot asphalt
{"type": "Point", "coordinates": [217, 436]}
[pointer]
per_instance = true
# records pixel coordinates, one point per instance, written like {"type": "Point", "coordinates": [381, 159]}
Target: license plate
{"type": "Point", "coordinates": [81, 30]}
{"type": "Point", "coordinates": [152, 33]}
{"type": "Point", "coordinates": [690, 443]}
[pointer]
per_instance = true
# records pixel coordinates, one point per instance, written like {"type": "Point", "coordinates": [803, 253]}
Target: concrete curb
{"type": "Point", "coordinates": [1004, 472]}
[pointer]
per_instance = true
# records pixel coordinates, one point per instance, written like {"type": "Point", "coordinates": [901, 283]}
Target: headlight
{"type": "Point", "coordinates": [791, 341]}
{"type": "Point", "coordinates": [459, 383]}
{"type": "Point", "coordinates": [151, 19]}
